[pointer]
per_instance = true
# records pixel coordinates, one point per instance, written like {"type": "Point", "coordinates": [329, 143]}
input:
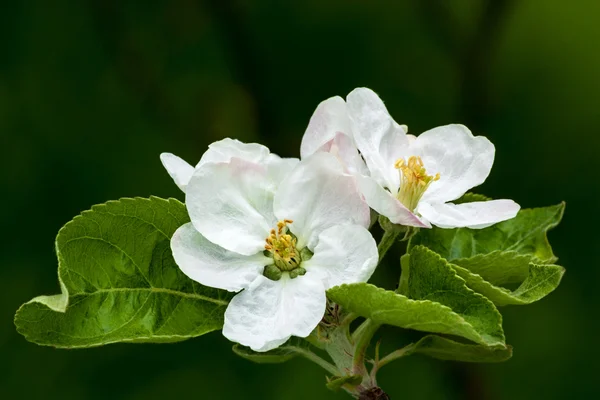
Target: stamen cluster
{"type": "Point", "coordinates": [414, 181]}
{"type": "Point", "coordinates": [282, 247]}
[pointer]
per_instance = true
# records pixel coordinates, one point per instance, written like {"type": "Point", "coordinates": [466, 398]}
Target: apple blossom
{"type": "Point", "coordinates": [281, 247]}
{"type": "Point", "coordinates": [410, 180]}
{"type": "Point", "coordinates": [223, 151]}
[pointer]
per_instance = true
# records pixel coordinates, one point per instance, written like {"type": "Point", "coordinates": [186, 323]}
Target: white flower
{"type": "Point", "coordinates": [223, 151]}
{"type": "Point", "coordinates": [281, 245]}
{"type": "Point", "coordinates": [412, 179]}
{"type": "Point", "coordinates": [330, 130]}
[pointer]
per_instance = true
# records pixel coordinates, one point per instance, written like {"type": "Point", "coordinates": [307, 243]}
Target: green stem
{"type": "Point", "coordinates": [317, 360]}
{"type": "Point", "coordinates": [347, 320]}
{"type": "Point", "coordinates": [362, 337]}
{"type": "Point", "coordinates": [388, 239]}
{"type": "Point", "coordinates": [313, 340]}
{"type": "Point", "coordinates": [395, 355]}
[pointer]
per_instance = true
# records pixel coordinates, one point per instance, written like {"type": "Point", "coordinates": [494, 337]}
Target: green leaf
{"type": "Point", "coordinates": [524, 235]}
{"type": "Point", "coordinates": [386, 307]}
{"type": "Point", "coordinates": [336, 383]}
{"type": "Point", "coordinates": [277, 356]}
{"type": "Point", "coordinates": [498, 267]}
{"type": "Point", "coordinates": [542, 280]}
{"type": "Point", "coordinates": [427, 276]}
{"type": "Point", "coordinates": [447, 349]}
{"type": "Point", "coordinates": [119, 281]}
{"type": "Point", "coordinates": [439, 301]}
{"type": "Point", "coordinates": [470, 198]}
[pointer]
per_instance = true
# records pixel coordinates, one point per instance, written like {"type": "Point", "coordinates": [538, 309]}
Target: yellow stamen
{"type": "Point", "coordinates": [414, 181]}
{"type": "Point", "coordinates": [282, 247]}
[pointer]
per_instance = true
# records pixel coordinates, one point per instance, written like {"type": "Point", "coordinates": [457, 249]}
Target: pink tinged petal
{"type": "Point", "coordinates": [178, 169]}
{"type": "Point", "coordinates": [279, 168]}
{"type": "Point", "coordinates": [211, 265]}
{"type": "Point", "coordinates": [224, 150]}
{"type": "Point", "coordinates": [318, 195]}
{"type": "Point", "coordinates": [231, 204]}
{"type": "Point", "coordinates": [476, 215]}
{"type": "Point", "coordinates": [379, 138]}
{"type": "Point", "coordinates": [462, 160]}
{"type": "Point", "coordinates": [344, 149]}
{"type": "Point", "coordinates": [329, 119]}
{"type": "Point", "coordinates": [387, 204]}
{"type": "Point", "coordinates": [268, 313]}
{"type": "Point", "coordinates": [345, 254]}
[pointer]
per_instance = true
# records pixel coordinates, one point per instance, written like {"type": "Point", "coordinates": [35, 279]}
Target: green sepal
{"type": "Point", "coordinates": [337, 383]}
{"type": "Point", "coordinates": [296, 272]}
{"type": "Point", "coordinates": [272, 272]}
{"type": "Point", "coordinates": [119, 281]}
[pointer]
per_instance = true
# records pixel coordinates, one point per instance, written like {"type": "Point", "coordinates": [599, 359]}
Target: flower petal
{"type": "Point", "coordinates": [279, 168]}
{"type": "Point", "coordinates": [378, 137]}
{"type": "Point", "coordinates": [476, 215]}
{"type": "Point", "coordinates": [344, 254]}
{"type": "Point", "coordinates": [318, 195]}
{"type": "Point", "coordinates": [329, 119]}
{"type": "Point", "coordinates": [343, 148]}
{"type": "Point", "coordinates": [178, 169]}
{"type": "Point", "coordinates": [224, 150]}
{"type": "Point", "coordinates": [463, 160]}
{"type": "Point", "coordinates": [231, 204]}
{"type": "Point", "coordinates": [268, 313]}
{"type": "Point", "coordinates": [212, 265]}
{"type": "Point", "coordinates": [387, 204]}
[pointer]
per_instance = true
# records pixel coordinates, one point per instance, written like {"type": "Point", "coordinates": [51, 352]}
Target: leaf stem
{"type": "Point", "coordinates": [394, 355]}
{"type": "Point", "coordinates": [347, 320]}
{"type": "Point", "coordinates": [362, 337]}
{"type": "Point", "coordinates": [327, 366]}
{"type": "Point", "coordinates": [313, 340]}
{"type": "Point", "coordinates": [388, 239]}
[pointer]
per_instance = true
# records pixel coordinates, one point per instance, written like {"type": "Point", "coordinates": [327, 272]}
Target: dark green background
{"type": "Point", "coordinates": [91, 92]}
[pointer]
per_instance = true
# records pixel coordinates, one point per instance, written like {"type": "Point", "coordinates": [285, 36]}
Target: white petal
{"type": "Point", "coordinates": [318, 195]}
{"type": "Point", "coordinates": [224, 150]}
{"type": "Point", "coordinates": [344, 254]}
{"type": "Point", "coordinates": [212, 265]}
{"type": "Point", "coordinates": [379, 138]}
{"type": "Point", "coordinates": [178, 169]}
{"type": "Point", "coordinates": [387, 204]}
{"type": "Point", "coordinates": [343, 148]}
{"type": "Point", "coordinates": [268, 313]}
{"type": "Point", "coordinates": [330, 118]}
{"type": "Point", "coordinates": [463, 161]}
{"type": "Point", "coordinates": [476, 215]}
{"type": "Point", "coordinates": [279, 168]}
{"type": "Point", "coordinates": [231, 204]}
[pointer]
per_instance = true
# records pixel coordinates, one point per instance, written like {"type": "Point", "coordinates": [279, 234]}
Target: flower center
{"type": "Point", "coordinates": [414, 181]}
{"type": "Point", "coordinates": [281, 246]}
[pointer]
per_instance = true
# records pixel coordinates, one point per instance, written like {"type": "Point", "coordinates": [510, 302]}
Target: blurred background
{"type": "Point", "coordinates": [91, 92]}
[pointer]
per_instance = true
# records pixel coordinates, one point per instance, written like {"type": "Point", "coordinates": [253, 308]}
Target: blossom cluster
{"type": "Point", "coordinates": [280, 232]}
